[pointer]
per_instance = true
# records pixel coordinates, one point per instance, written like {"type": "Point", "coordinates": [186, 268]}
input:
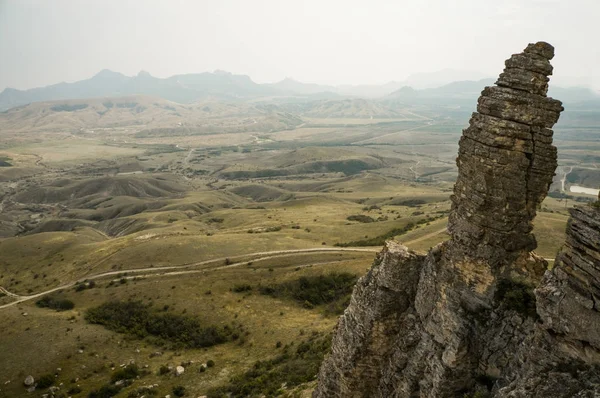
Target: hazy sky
{"type": "Point", "coordinates": [322, 41]}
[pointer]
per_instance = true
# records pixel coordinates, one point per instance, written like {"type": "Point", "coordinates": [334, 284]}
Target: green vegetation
{"type": "Point", "coordinates": [332, 288]}
{"type": "Point", "coordinates": [55, 303]}
{"type": "Point", "coordinates": [516, 296]}
{"type": "Point", "coordinates": [179, 391]}
{"type": "Point", "coordinates": [137, 319]}
{"type": "Point", "coordinates": [291, 368]}
{"type": "Point", "coordinates": [127, 105]}
{"type": "Point", "coordinates": [243, 287]}
{"type": "Point", "coordinates": [128, 372]}
{"type": "Point", "coordinates": [378, 240]}
{"type": "Point", "coordinates": [360, 218]}
{"type": "Point", "coordinates": [45, 381]}
{"type": "Point", "coordinates": [5, 161]}
{"type": "Point", "coordinates": [68, 108]}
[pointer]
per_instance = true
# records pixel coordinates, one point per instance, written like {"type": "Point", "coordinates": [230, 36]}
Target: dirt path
{"type": "Point", "coordinates": [424, 237]}
{"type": "Point", "coordinates": [261, 257]}
{"type": "Point", "coordinates": [388, 134]}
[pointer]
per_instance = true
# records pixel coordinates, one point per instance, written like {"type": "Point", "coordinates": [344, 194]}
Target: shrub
{"type": "Point", "coordinates": [360, 218]}
{"type": "Point", "coordinates": [45, 381]}
{"type": "Point", "coordinates": [242, 288]}
{"type": "Point", "coordinates": [137, 319]}
{"type": "Point", "coordinates": [179, 391]}
{"type": "Point", "coordinates": [210, 363]}
{"type": "Point", "coordinates": [266, 377]}
{"type": "Point", "coordinates": [516, 296]}
{"type": "Point", "coordinates": [106, 391]}
{"type": "Point", "coordinates": [314, 290]}
{"type": "Point", "coordinates": [127, 373]}
{"type": "Point", "coordinates": [55, 303]}
{"type": "Point", "coordinates": [378, 240]}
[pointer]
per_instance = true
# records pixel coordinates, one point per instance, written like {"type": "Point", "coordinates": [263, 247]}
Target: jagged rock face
{"type": "Point", "coordinates": [568, 298]}
{"type": "Point", "coordinates": [506, 160]}
{"type": "Point", "coordinates": [464, 320]}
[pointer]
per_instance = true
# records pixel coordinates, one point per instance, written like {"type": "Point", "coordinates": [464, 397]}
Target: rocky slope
{"type": "Point", "coordinates": [479, 315]}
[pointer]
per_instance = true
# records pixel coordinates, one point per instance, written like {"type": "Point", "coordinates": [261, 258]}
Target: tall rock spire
{"type": "Point", "coordinates": [465, 320]}
{"type": "Point", "coordinates": [506, 159]}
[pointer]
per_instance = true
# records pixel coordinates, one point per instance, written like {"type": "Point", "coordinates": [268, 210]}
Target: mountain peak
{"type": "Point", "coordinates": [108, 73]}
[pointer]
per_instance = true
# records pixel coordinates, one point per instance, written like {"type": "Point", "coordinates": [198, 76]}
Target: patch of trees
{"type": "Point", "coordinates": [68, 108]}
{"type": "Point", "coordinates": [332, 288]}
{"type": "Point", "coordinates": [140, 320]}
{"type": "Point", "coordinates": [127, 105]}
{"type": "Point", "coordinates": [360, 218]}
{"type": "Point", "coordinates": [266, 378]}
{"type": "Point", "coordinates": [55, 303]}
{"type": "Point", "coordinates": [412, 202]}
{"type": "Point", "coordinates": [378, 240]}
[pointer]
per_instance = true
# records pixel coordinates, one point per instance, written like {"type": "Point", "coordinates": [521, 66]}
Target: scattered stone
{"type": "Point", "coordinates": [29, 381]}
{"type": "Point", "coordinates": [179, 370]}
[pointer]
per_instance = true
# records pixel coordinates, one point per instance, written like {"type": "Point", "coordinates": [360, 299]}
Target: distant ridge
{"type": "Point", "coordinates": [179, 88]}
{"type": "Point", "coordinates": [225, 86]}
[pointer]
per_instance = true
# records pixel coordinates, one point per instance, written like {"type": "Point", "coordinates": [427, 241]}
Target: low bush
{"type": "Point", "coordinates": [378, 240]}
{"type": "Point", "coordinates": [241, 288]}
{"type": "Point", "coordinates": [55, 303]}
{"type": "Point", "coordinates": [137, 319]}
{"type": "Point", "coordinates": [127, 373]}
{"type": "Point", "coordinates": [45, 381]}
{"type": "Point", "coordinates": [106, 391]}
{"type": "Point", "coordinates": [266, 377]}
{"type": "Point", "coordinates": [515, 296]}
{"type": "Point", "coordinates": [360, 218]}
{"type": "Point", "coordinates": [310, 291]}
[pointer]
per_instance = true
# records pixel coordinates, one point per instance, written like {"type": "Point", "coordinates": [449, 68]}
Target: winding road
{"type": "Point", "coordinates": [258, 256]}
{"type": "Point", "coordinates": [179, 269]}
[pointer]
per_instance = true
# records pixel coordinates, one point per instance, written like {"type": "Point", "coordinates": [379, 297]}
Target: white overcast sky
{"type": "Point", "coordinates": [322, 41]}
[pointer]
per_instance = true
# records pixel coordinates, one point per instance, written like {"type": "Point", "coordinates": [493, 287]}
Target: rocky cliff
{"type": "Point", "coordinates": [479, 315]}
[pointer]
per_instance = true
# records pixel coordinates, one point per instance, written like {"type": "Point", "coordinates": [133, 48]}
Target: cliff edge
{"type": "Point", "coordinates": [481, 315]}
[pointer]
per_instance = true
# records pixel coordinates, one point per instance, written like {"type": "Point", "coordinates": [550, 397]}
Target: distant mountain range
{"type": "Point", "coordinates": [221, 85]}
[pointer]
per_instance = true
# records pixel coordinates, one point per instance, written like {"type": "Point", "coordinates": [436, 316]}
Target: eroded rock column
{"type": "Point", "coordinates": [506, 159]}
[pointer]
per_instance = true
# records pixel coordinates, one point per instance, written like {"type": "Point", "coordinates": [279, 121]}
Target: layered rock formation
{"type": "Point", "coordinates": [464, 320]}
{"type": "Point", "coordinates": [506, 159]}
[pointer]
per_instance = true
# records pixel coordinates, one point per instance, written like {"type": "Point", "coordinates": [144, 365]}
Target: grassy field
{"type": "Point", "coordinates": [198, 219]}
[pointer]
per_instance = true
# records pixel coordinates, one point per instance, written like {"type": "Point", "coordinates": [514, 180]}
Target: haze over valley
{"type": "Point", "coordinates": [200, 234]}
